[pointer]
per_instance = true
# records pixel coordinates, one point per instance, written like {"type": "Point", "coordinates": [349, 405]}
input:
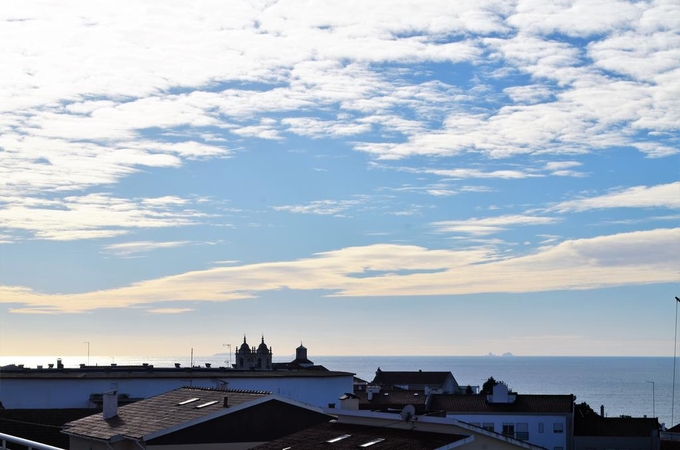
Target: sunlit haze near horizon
{"type": "Point", "coordinates": [368, 178]}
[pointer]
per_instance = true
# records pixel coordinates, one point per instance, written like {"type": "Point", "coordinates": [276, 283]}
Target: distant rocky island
{"type": "Point", "coordinates": [504, 354]}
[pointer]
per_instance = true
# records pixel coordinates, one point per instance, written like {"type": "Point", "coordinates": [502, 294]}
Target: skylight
{"type": "Point", "coordinates": [369, 443]}
{"type": "Point", "coordinates": [186, 402]}
{"type": "Point", "coordinates": [339, 438]}
{"type": "Point", "coordinates": [203, 405]}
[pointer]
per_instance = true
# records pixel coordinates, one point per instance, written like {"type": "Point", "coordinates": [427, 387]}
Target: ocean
{"type": "Point", "coordinates": [633, 386]}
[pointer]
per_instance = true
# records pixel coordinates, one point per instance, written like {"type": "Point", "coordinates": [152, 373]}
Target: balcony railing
{"type": "Point", "coordinates": [32, 445]}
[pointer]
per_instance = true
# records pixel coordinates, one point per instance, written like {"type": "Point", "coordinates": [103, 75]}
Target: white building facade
{"type": "Point", "coordinates": [544, 420]}
{"type": "Point", "coordinates": [77, 388]}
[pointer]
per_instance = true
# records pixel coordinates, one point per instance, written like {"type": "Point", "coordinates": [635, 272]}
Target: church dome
{"type": "Point", "coordinates": [244, 347]}
{"type": "Point", "coordinates": [262, 347]}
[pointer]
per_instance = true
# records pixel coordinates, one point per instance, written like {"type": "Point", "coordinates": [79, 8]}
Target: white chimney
{"type": "Point", "coordinates": [110, 404]}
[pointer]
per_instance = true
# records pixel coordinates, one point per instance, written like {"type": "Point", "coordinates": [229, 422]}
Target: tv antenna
{"type": "Point", "coordinates": [229, 347]}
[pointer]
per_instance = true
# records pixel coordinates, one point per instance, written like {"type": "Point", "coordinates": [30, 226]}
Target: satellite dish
{"type": "Point", "coordinates": [408, 413]}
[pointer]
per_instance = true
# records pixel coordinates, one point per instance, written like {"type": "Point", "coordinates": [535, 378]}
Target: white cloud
{"type": "Point", "coordinates": [660, 196]}
{"type": "Point", "coordinates": [93, 216]}
{"type": "Point", "coordinates": [127, 249]}
{"type": "Point", "coordinates": [490, 225]}
{"type": "Point", "coordinates": [170, 310]}
{"type": "Point", "coordinates": [578, 18]}
{"type": "Point", "coordinates": [323, 207]}
{"type": "Point", "coordinates": [617, 260]}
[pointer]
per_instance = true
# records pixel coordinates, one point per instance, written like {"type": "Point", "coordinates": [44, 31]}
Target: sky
{"type": "Point", "coordinates": [366, 177]}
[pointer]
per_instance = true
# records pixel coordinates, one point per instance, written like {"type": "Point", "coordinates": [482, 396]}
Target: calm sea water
{"type": "Point", "coordinates": [635, 386]}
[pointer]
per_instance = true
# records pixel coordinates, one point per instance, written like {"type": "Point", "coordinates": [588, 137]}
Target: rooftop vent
{"type": "Point", "coordinates": [177, 365]}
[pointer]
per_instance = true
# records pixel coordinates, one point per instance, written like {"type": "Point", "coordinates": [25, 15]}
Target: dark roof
{"type": "Point", "coordinates": [670, 445]}
{"type": "Point", "coordinates": [40, 425]}
{"type": "Point", "coordinates": [524, 403]}
{"type": "Point", "coordinates": [616, 426]}
{"type": "Point", "coordinates": [297, 365]}
{"type": "Point", "coordinates": [106, 372]}
{"type": "Point", "coordinates": [135, 372]}
{"type": "Point", "coordinates": [383, 378]}
{"type": "Point", "coordinates": [391, 399]}
{"type": "Point", "coordinates": [159, 413]}
{"type": "Point", "coordinates": [394, 439]}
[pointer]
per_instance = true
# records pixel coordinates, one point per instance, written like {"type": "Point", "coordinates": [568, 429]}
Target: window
{"type": "Point", "coordinates": [541, 427]}
{"type": "Point", "coordinates": [488, 426]}
{"type": "Point", "coordinates": [558, 427]}
{"type": "Point", "coordinates": [509, 429]}
{"type": "Point", "coordinates": [373, 442]}
{"type": "Point", "coordinates": [522, 432]}
{"type": "Point", "coordinates": [338, 439]}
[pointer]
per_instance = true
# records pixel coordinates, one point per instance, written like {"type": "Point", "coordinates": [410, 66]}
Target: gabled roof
{"type": "Point", "coordinates": [318, 437]}
{"type": "Point", "coordinates": [383, 378]}
{"type": "Point", "coordinates": [524, 403]}
{"type": "Point", "coordinates": [616, 426]}
{"type": "Point", "coordinates": [153, 415]}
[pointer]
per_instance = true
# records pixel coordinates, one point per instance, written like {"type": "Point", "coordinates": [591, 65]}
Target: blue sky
{"type": "Point", "coordinates": [430, 177]}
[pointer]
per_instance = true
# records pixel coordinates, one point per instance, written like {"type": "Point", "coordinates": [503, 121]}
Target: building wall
{"type": "Point", "coordinates": [548, 438]}
{"type": "Point", "coordinates": [40, 393]}
{"type": "Point", "coordinates": [77, 443]}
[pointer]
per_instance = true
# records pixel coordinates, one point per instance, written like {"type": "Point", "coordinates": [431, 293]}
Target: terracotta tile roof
{"type": "Point", "coordinates": [561, 404]}
{"type": "Point", "coordinates": [394, 439]}
{"type": "Point", "coordinates": [615, 426]}
{"type": "Point", "coordinates": [383, 378]}
{"type": "Point", "coordinates": [160, 412]}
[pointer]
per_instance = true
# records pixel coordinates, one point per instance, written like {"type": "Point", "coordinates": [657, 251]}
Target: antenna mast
{"type": "Point", "coordinates": [229, 347]}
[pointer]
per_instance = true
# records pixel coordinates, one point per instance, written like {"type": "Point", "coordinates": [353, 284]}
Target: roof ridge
{"type": "Point", "coordinates": [239, 391]}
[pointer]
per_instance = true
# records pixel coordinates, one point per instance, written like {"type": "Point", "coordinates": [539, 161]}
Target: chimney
{"type": "Point", "coordinates": [226, 402]}
{"type": "Point", "coordinates": [60, 365]}
{"type": "Point", "coordinates": [110, 404]}
{"type": "Point", "coordinates": [601, 410]}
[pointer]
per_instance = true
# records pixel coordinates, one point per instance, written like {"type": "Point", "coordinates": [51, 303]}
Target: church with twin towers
{"type": "Point", "coordinates": [260, 358]}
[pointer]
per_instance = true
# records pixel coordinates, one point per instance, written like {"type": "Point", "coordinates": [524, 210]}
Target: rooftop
{"type": "Point", "coordinates": [161, 412]}
{"type": "Point", "coordinates": [524, 403]}
{"type": "Point", "coordinates": [149, 371]}
{"type": "Point", "coordinates": [616, 426]}
{"type": "Point", "coordinates": [334, 435]}
{"type": "Point", "coordinates": [409, 377]}
{"type": "Point", "coordinates": [392, 399]}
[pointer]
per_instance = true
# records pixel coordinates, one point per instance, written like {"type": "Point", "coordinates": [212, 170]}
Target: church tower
{"type": "Point", "coordinates": [248, 358]}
